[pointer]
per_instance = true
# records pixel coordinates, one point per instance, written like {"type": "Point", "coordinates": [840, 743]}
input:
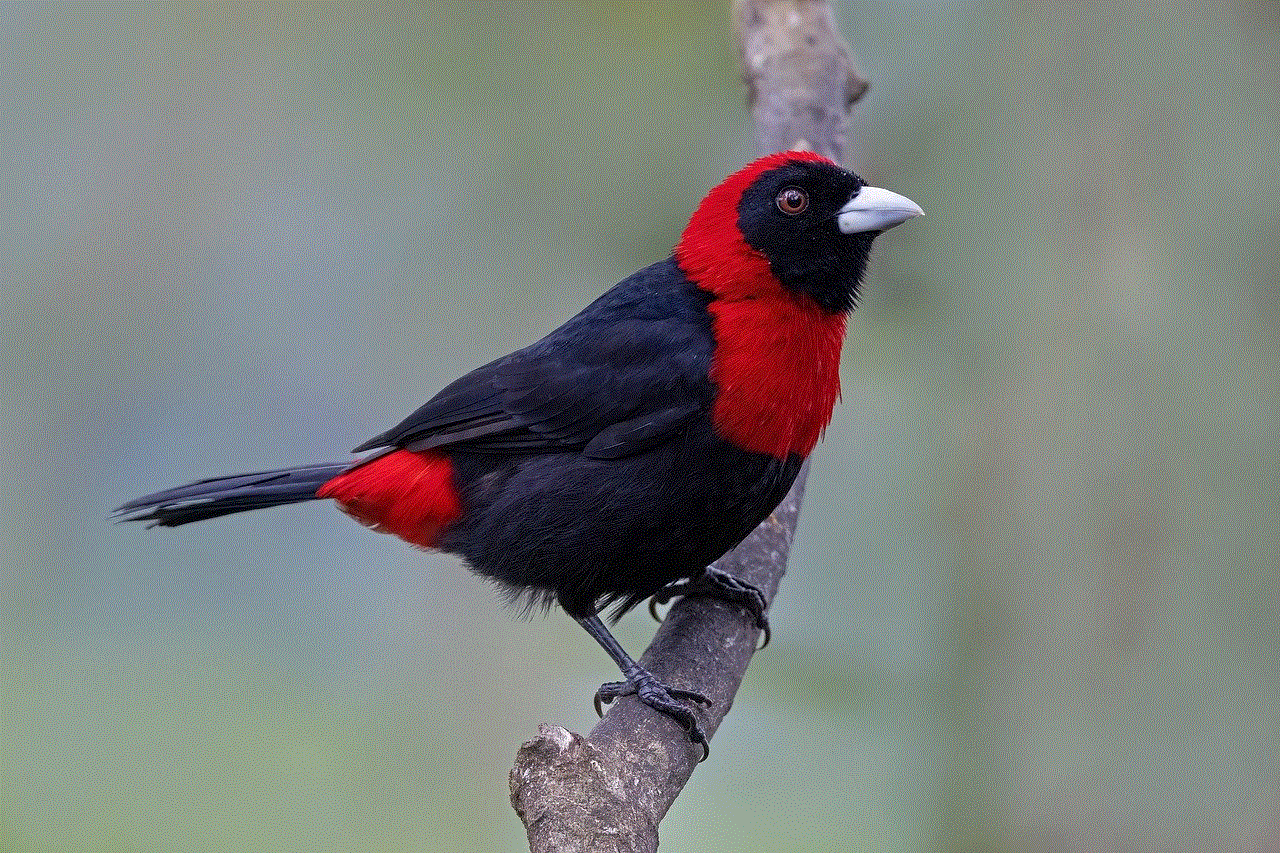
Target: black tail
{"type": "Point", "coordinates": [225, 495]}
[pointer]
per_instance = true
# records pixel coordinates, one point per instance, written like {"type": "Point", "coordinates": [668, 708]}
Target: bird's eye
{"type": "Point", "coordinates": [792, 201]}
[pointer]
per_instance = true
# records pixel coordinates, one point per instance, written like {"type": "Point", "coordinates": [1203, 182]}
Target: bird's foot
{"type": "Point", "coordinates": [714, 583]}
{"type": "Point", "coordinates": [661, 698]}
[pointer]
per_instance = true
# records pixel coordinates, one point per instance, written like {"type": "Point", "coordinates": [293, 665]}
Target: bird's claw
{"type": "Point", "coordinates": [661, 698]}
{"type": "Point", "coordinates": [654, 600]}
{"type": "Point", "coordinates": [714, 583]}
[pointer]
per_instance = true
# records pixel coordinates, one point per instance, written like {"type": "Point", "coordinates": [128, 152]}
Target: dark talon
{"type": "Point", "coordinates": [714, 583]}
{"type": "Point", "coordinates": [611, 690]}
{"type": "Point", "coordinates": [661, 698]}
{"type": "Point", "coordinates": [647, 688]}
{"type": "Point", "coordinates": [763, 625]}
{"type": "Point", "coordinates": [653, 606]}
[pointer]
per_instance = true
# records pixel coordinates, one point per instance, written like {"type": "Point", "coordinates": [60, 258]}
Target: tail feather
{"type": "Point", "coordinates": [226, 495]}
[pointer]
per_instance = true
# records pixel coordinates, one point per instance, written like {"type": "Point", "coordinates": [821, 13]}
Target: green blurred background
{"type": "Point", "coordinates": [1035, 599]}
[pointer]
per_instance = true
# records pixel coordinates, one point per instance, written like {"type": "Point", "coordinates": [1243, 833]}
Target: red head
{"type": "Point", "coordinates": [782, 245]}
{"type": "Point", "coordinates": [792, 221]}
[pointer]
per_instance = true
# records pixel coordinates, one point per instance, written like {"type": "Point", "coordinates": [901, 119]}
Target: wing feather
{"type": "Point", "coordinates": [619, 378]}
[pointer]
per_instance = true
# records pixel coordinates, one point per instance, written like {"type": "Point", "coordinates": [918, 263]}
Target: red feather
{"type": "Point", "coordinates": [777, 370]}
{"type": "Point", "coordinates": [777, 356]}
{"type": "Point", "coordinates": [410, 494]}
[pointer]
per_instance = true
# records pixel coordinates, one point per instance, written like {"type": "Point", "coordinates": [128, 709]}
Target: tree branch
{"type": "Point", "coordinates": [608, 792]}
{"type": "Point", "coordinates": [799, 74]}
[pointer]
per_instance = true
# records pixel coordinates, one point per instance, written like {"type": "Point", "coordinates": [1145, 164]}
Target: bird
{"type": "Point", "coordinates": [631, 447]}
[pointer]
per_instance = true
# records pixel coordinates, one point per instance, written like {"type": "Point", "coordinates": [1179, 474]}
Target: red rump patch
{"type": "Point", "coordinates": [777, 357]}
{"type": "Point", "coordinates": [410, 494]}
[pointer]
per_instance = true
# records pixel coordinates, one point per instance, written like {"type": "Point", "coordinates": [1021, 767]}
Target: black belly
{"type": "Point", "coordinates": [589, 533]}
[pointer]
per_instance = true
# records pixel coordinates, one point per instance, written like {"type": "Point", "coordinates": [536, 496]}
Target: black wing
{"type": "Point", "coordinates": [621, 377]}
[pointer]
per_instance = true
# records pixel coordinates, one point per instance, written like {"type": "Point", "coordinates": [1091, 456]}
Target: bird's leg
{"type": "Point", "coordinates": [714, 583]}
{"type": "Point", "coordinates": [647, 688]}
